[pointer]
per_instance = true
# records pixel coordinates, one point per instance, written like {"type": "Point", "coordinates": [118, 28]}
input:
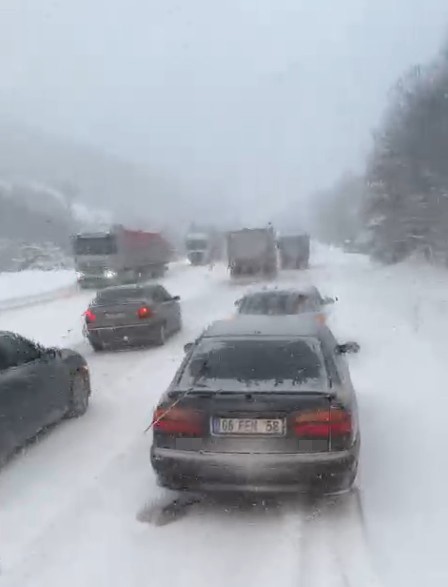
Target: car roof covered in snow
{"type": "Point", "coordinates": [250, 325]}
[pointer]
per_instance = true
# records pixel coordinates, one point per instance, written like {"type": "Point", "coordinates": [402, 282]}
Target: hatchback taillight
{"type": "Point", "coordinates": [144, 312]}
{"type": "Point", "coordinates": [333, 422]}
{"type": "Point", "coordinates": [182, 421]}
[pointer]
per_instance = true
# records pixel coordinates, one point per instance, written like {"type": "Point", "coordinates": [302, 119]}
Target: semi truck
{"type": "Point", "coordinates": [198, 247]}
{"type": "Point", "coordinates": [119, 256]}
{"type": "Point", "coordinates": [203, 246]}
{"type": "Point", "coordinates": [252, 251]}
{"type": "Point", "coordinates": [294, 251]}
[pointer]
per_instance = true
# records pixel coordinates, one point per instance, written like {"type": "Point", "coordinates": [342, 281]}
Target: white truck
{"type": "Point", "coordinates": [252, 251]}
{"type": "Point", "coordinates": [203, 246]}
{"type": "Point", "coordinates": [198, 248]}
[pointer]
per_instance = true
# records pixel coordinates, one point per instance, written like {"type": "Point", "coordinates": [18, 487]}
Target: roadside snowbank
{"type": "Point", "coordinates": [31, 285]}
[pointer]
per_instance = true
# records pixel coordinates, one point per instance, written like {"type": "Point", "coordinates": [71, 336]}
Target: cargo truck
{"type": "Point", "coordinates": [119, 256]}
{"type": "Point", "coordinates": [252, 251]}
{"type": "Point", "coordinates": [294, 251]}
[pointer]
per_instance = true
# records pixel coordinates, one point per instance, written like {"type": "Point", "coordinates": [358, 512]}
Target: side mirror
{"type": "Point", "coordinates": [237, 303]}
{"type": "Point", "coordinates": [175, 298]}
{"type": "Point", "coordinates": [327, 301]}
{"type": "Point", "coordinates": [348, 347]}
{"type": "Point", "coordinates": [188, 347]}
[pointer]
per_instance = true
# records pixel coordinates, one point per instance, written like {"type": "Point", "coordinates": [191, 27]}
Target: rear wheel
{"type": "Point", "coordinates": [161, 335]}
{"type": "Point", "coordinates": [80, 392]}
{"type": "Point", "coordinates": [96, 345]}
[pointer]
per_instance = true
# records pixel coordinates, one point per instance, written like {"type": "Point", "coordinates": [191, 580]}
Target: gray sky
{"type": "Point", "coordinates": [251, 102]}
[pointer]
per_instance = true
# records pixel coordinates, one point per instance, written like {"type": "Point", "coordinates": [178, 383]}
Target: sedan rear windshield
{"type": "Point", "coordinates": [122, 295]}
{"type": "Point", "coordinates": [278, 303]}
{"type": "Point", "coordinates": [258, 364]}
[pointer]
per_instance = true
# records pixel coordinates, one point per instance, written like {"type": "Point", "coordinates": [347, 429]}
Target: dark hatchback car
{"type": "Point", "coordinates": [275, 302]}
{"type": "Point", "coordinates": [132, 315]}
{"type": "Point", "coordinates": [259, 405]}
{"type": "Point", "coordinates": [38, 387]}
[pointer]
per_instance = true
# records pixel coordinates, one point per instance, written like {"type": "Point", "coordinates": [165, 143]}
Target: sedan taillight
{"type": "Point", "coordinates": [181, 421]}
{"type": "Point", "coordinates": [89, 316]}
{"type": "Point", "coordinates": [144, 312]}
{"type": "Point", "coordinates": [333, 422]}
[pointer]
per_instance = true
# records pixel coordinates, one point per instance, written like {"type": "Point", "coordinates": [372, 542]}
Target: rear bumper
{"type": "Point", "coordinates": [258, 473]}
{"type": "Point", "coordinates": [124, 334]}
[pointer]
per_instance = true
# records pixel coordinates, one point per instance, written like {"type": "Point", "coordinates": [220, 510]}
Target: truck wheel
{"type": "Point", "coordinates": [161, 335]}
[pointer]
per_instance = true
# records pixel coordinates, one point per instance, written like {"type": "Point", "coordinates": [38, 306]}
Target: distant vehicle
{"type": "Point", "coordinates": [198, 248]}
{"type": "Point", "coordinates": [259, 405]}
{"type": "Point", "coordinates": [275, 302]}
{"type": "Point", "coordinates": [294, 251]}
{"type": "Point", "coordinates": [132, 315]}
{"type": "Point", "coordinates": [38, 387]}
{"type": "Point", "coordinates": [203, 246]}
{"type": "Point", "coordinates": [252, 251]}
{"type": "Point", "coordinates": [119, 256]}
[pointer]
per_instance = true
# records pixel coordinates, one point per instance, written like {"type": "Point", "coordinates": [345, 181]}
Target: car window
{"type": "Point", "coordinates": [306, 303]}
{"type": "Point", "coordinates": [120, 294]}
{"type": "Point", "coordinates": [271, 304]}
{"type": "Point", "coordinates": [160, 294]}
{"type": "Point", "coordinates": [264, 364]}
{"type": "Point", "coordinates": [16, 350]}
{"type": "Point", "coordinates": [279, 303]}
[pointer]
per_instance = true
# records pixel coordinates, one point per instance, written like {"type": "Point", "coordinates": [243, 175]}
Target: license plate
{"type": "Point", "coordinates": [249, 426]}
{"type": "Point", "coordinates": [116, 315]}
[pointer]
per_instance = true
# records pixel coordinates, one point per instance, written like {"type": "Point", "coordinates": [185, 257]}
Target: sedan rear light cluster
{"type": "Point", "coordinates": [89, 316]}
{"type": "Point", "coordinates": [178, 421]}
{"type": "Point", "coordinates": [334, 422]}
{"type": "Point", "coordinates": [144, 312]}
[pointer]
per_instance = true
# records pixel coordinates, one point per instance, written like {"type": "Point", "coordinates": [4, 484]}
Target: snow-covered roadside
{"type": "Point", "coordinates": [398, 315]}
{"type": "Point", "coordinates": [21, 288]}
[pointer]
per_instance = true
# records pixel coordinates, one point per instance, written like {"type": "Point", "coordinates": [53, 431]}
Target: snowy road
{"type": "Point", "coordinates": [69, 504]}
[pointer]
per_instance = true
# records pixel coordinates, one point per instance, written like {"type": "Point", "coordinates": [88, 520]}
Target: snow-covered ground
{"type": "Point", "coordinates": [71, 505]}
{"type": "Point", "coordinates": [24, 287]}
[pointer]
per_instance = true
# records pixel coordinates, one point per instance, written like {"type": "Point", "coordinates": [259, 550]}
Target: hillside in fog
{"type": "Point", "coordinates": [85, 174]}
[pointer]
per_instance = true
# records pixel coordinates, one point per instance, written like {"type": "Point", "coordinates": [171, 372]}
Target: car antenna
{"type": "Point", "coordinates": [203, 367]}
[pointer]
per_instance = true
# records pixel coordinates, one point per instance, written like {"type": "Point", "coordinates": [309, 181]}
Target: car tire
{"type": "Point", "coordinates": [80, 392]}
{"type": "Point", "coordinates": [96, 346]}
{"type": "Point", "coordinates": [161, 335]}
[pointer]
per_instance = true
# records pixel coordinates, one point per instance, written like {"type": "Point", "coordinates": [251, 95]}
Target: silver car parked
{"type": "Point", "coordinates": [132, 315]}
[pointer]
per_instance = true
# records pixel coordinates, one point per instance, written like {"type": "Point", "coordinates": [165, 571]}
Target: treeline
{"type": "Point", "coordinates": [399, 206]}
{"type": "Point", "coordinates": [27, 215]}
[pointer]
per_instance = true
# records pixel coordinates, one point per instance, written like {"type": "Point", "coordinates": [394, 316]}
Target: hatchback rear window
{"type": "Point", "coordinates": [263, 364]}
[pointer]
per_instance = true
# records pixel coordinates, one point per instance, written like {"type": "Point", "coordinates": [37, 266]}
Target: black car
{"type": "Point", "coordinates": [38, 387]}
{"type": "Point", "coordinates": [259, 405]}
{"type": "Point", "coordinates": [132, 314]}
{"type": "Point", "coordinates": [274, 302]}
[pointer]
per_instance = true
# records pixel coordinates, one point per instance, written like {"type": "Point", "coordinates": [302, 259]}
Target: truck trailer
{"type": "Point", "coordinates": [294, 251]}
{"type": "Point", "coordinates": [252, 251]}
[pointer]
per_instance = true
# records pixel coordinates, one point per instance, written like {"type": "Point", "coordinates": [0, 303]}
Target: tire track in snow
{"type": "Point", "coordinates": [332, 544]}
